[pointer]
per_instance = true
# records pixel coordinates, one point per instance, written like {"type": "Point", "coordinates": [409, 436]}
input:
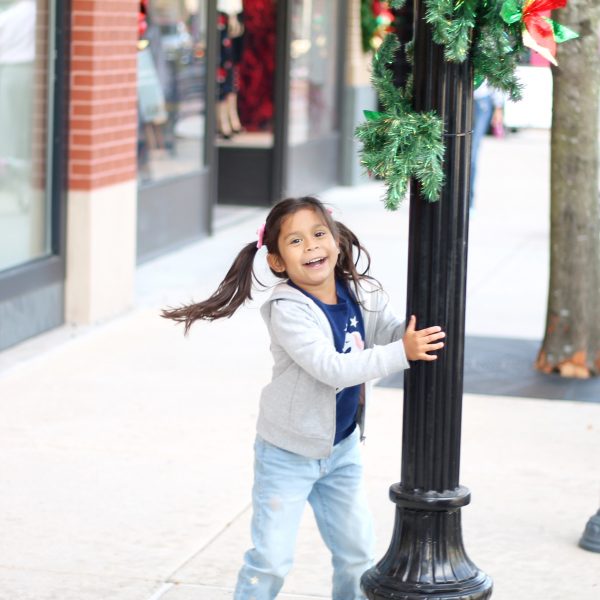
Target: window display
{"type": "Point", "coordinates": [313, 69]}
{"type": "Point", "coordinates": [279, 68]}
{"type": "Point", "coordinates": [231, 31]}
{"type": "Point", "coordinates": [246, 73]}
{"type": "Point", "coordinates": [171, 88]}
{"type": "Point", "coordinates": [24, 213]}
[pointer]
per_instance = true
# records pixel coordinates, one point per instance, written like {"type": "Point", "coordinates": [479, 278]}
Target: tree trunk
{"type": "Point", "coordinates": [571, 343]}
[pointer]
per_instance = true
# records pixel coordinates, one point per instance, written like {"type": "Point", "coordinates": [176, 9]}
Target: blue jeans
{"type": "Point", "coordinates": [482, 115]}
{"type": "Point", "coordinates": [283, 482]}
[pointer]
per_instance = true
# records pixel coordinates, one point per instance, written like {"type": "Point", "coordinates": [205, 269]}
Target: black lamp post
{"type": "Point", "coordinates": [426, 557]}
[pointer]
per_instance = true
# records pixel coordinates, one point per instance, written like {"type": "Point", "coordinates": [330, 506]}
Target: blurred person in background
{"type": "Point", "coordinates": [488, 109]}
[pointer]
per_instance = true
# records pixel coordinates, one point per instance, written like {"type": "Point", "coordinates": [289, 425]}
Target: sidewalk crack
{"type": "Point", "coordinates": [170, 579]}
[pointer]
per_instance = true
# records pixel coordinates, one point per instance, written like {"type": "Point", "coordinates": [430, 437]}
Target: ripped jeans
{"type": "Point", "coordinates": [283, 482]}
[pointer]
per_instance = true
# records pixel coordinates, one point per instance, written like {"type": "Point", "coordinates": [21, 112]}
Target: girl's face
{"type": "Point", "coordinates": [308, 253]}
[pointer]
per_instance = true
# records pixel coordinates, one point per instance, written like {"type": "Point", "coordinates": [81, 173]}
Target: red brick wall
{"type": "Point", "coordinates": [103, 106]}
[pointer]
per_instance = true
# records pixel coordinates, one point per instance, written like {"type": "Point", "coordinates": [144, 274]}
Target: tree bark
{"type": "Point", "coordinates": [571, 343]}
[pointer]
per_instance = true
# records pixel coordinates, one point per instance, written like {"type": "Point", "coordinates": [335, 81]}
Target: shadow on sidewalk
{"type": "Point", "coordinates": [504, 367]}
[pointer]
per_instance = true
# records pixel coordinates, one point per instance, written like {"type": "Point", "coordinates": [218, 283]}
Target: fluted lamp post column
{"type": "Point", "coordinates": [426, 557]}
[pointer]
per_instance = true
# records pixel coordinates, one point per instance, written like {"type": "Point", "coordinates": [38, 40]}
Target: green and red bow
{"type": "Point", "coordinates": [540, 33]}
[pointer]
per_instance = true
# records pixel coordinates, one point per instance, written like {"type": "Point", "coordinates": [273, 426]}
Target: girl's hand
{"type": "Point", "coordinates": [418, 343]}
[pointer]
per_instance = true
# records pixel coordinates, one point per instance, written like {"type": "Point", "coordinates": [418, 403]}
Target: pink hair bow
{"type": "Point", "coordinates": [261, 234]}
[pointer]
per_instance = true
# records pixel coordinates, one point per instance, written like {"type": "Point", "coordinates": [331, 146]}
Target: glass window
{"type": "Point", "coordinates": [171, 88]}
{"type": "Point", "coordinates": [246, 72]}
{"type": "Point", "coordinates": [24, 131]}
{"type": "Point", "coordinates": [313, 75]}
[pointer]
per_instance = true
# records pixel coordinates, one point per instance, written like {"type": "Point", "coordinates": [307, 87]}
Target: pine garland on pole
{"type": "Point", "coordinates": [400, 143]}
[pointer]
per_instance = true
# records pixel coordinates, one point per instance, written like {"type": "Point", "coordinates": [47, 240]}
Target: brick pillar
{"type": "Point", "coordinates": [101, 213]}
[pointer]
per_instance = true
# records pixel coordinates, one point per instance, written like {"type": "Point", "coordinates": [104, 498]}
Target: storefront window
{"type": "Point", "coordinates": [171, 88]}
{"type": "Point", "coordinates": [246, 72]}
{"type": "Point", "coordinates": [313, 75]}
{"type": "Point", "coordinates": [24, 213]}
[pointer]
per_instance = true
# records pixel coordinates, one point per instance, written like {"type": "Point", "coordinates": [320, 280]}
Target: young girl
{"type": "Point", "coordinates": [331, 331]}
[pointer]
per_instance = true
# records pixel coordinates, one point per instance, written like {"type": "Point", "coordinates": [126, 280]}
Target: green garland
{"type": "Point", "coordinates": [476, 28]}
{"type": "Point", "coordinates": [401, 143]}
{"type": "Point", "coordinates": [495, 47]}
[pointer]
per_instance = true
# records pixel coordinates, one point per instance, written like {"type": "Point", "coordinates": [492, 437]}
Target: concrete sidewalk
{"type": "Point", "coordinates": [127, 449]}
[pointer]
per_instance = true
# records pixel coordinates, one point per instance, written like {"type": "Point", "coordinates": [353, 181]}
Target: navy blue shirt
{"type": "Point", "coordinates": [348, 331]}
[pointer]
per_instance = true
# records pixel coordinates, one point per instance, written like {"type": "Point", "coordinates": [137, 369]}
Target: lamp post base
{"type": "Point", "coordinates": [590, 540]}
{"type": "Point", "coordinates": [480, 588]}
{"type": "Point", "coordinates": [426, 558]}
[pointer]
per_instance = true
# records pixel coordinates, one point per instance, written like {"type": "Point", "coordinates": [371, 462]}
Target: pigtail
{"type": "Point", "coordinates": [232, 292]}
{"type": "Point", "coordinates": [352, 252]}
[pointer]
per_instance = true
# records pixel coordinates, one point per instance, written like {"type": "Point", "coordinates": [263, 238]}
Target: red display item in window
{"type": "Point", "coordinates": [257, 67]}
{"type": "Point", "coordinates": [142, 20]}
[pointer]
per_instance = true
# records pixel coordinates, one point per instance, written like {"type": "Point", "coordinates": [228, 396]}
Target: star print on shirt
{"type": "Point", "coordinates": [354, 322]}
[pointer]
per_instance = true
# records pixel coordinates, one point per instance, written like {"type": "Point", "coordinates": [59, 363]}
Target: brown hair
{"type": "Point", "coordinates": [236, 288]}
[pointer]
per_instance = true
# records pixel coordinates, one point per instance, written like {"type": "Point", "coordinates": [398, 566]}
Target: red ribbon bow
{"type": "Point", "coordinates": [534, 13]}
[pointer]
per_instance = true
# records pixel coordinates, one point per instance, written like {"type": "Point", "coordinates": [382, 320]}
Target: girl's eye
{"type": "Point", "coordinates": [320, 233]}
{"type": "Point", "coordinates": [295, 241]}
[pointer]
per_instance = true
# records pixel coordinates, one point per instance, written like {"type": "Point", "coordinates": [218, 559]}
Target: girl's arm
{"type": "Point", "coordinates": [388, 327]}
{"type": "Point", "coordinates": [417, 343]}
{"type": "Point", "coordinates": [295, 328]}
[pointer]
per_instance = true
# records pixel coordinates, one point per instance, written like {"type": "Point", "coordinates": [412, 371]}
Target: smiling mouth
{"type": "Point", "coordinates": [315, 262]}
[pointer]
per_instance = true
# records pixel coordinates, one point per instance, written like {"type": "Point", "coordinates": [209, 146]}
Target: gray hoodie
{"type": "Point", "coordinates": [297, 408]}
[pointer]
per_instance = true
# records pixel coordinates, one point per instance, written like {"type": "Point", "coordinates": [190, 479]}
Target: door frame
{"type": "Point", "coordinates": [273, 172]}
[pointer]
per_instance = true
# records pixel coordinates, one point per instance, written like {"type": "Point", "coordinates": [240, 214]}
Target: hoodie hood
{"type": "Point", "coordinates": [284, 291]}
{"type": "Point", "coordinates": [366, 297]}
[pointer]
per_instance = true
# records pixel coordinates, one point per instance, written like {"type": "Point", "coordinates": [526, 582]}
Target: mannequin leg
{"type": "Point", "coordinates": [223, 123]}
{"type": "Point", "coordinates": [232, 112]}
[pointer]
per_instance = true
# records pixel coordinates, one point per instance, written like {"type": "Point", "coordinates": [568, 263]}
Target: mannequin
{"type": "Point", "coordinates": [231, 31]}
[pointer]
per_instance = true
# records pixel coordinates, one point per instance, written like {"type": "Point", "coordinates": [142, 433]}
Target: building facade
{"type": "Point", "coordinates": [123, 123]}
